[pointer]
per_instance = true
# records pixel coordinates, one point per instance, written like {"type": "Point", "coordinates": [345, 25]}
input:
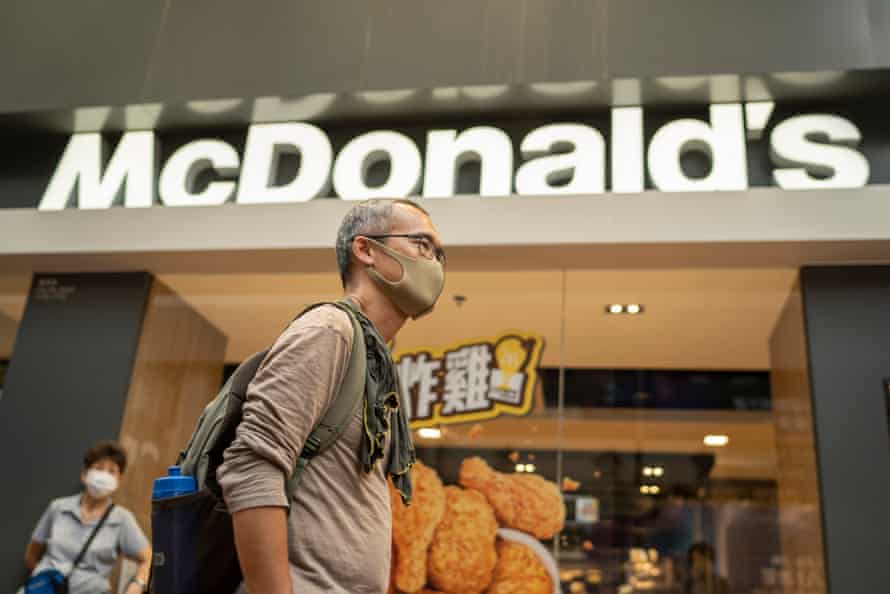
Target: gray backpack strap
{"type": "Point", "coordinates": [347, 400]}
{"type": "Point", "coordinates": [216, 426]}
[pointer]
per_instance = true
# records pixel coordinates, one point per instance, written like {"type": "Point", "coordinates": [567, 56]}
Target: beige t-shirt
{"type": "Point", "coordinates": [340, 522]}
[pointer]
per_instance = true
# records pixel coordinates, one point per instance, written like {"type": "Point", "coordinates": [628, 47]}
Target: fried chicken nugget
{"type": "Point", "coordinates": [413, 526]}
{"type": "Point", "coordinates": [519, 571]}
{"type": "Point", "coordinates": [523, 502]}
{"type": "Point", "coordinates": [462, 556]}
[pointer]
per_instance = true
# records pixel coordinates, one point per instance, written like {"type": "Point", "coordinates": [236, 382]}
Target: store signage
{"type": "Point", "coordinates": [470, 381]}
{"type": "Point", "coordinates": [815, 151]}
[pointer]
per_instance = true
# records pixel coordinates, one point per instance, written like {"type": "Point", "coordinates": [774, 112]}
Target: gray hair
{"type": "Point", "coordinates": [372, 217]}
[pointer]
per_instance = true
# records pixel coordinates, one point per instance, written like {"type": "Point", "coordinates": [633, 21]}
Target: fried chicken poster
{"type": "Point", "coordinates": [470, 381]}
{"type": "Point", "coordinates": [477, 537]}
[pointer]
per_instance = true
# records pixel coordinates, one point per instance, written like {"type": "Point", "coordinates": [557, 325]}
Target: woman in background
{"type": "Point", "coordinates": [67, 523]}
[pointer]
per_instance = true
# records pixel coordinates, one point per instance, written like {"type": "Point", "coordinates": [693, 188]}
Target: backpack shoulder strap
{"type": "Point", "coordinates": [215, 427]}
{"type": "Point", "coordinates": [345, 403]}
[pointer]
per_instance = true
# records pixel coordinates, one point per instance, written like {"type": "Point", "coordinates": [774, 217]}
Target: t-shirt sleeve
{"type": "Point", "coordinates": [44, 525]}
{"type": "Point", "coordinates": [131, 540]}
{"type": "Point", "coordinates": [288, 396]}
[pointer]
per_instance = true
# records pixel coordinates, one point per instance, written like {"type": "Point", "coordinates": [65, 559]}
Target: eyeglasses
{"type": "Point", "coordinates": [425, 245]}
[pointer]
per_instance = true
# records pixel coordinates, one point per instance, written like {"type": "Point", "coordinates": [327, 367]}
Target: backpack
{"type": "Point", "coordinates": [193, 543]}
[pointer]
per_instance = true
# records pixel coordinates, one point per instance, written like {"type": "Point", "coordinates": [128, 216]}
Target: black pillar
{"type": "Point", "coordinates": [66, 388]}
{"type": "Point", "coordinates": [847, 322]}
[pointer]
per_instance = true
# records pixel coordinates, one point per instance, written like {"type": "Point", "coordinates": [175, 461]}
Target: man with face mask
{"type": "Point", "coordinates": [334, 535]}
{"type": "Point", "coordinates": [68, 522]}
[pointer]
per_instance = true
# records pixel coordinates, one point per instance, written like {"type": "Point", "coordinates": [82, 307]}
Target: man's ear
{"type": "Point", "coordinates": [362, 250]}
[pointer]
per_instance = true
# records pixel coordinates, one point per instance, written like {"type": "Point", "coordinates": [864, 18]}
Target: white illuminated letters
{"type": "Point", "coordinates": [129, 174]}
{"type": "Point", "coordinates": [357, 157]}
{"type": "Point", "coordinates": [177, 186]}
{"type": "Point", "coordinates": [809, 152]}
{"type": "Point", "coordinates": [807, 164]}
{"type": "Point", "coordinates": [723, 141]}
{"type": "Point", "coordinates": [265, 144]}
{"type": "Point", "coordinates": [446, 151]}
{"type": "Point", "coordinates": [627, 150]}
{"type": "Point", "coordinates": [580, 171]}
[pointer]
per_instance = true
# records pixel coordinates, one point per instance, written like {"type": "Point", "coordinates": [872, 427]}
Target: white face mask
{"type": "Point", "coordinates": [100, 483]}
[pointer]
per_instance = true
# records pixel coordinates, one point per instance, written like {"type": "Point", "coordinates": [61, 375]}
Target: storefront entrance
{"type": "Point", "coordinates": [644, 395]}
{"type": "Point", "coordinates": [671, 409]}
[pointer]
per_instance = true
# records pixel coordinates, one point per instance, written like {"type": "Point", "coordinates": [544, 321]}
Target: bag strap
{"type": "Point", "coordinates": [83, 551]}
{"type": "Point", "coordinates": [345, 403]}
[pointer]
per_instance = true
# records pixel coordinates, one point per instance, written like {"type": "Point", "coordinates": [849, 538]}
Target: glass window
{"type": "Point", "coordinates": [666, 451]}
{"type": "Point", "coordinates": [660, 430]}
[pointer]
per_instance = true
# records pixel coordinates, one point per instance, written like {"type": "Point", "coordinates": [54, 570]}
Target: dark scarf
{"type": "Point", "coordinates": [383, 414]}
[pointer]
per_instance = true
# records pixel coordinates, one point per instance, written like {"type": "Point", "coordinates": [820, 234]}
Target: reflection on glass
{"type": "Point", "coordinates": [670, 479]}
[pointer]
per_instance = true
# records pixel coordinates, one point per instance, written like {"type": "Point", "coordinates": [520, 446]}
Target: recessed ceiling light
{"type": "Point", "coordinates": [430, 433]}
{"type": "Point", "coordinates": [716, 441]}
{"type": "Point", "coordinates": [621, 308]}
{"type": "Point", "coordinates": [520, 468]}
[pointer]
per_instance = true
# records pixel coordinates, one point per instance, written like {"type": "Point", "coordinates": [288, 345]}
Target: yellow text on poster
{"type": "Point", "coordinates": [470, 381]}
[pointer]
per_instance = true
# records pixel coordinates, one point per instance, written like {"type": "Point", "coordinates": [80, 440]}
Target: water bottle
{"type": "Point", "coordinates": [173, 485]}
{"type": "Point", "coordinates": [174, 528]}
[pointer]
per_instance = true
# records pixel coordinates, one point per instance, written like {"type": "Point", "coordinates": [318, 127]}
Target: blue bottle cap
{"type": "Point", "coordinates": [173, 485]}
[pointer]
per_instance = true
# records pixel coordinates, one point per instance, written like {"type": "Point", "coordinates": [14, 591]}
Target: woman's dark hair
{"type": "Point", "coordinates": [106, 450]}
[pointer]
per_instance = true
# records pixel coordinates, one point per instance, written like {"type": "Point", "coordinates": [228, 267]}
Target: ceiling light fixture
{"type": "Point", "coordinates": [430, 433]}
{"type": "Point", "coordinates": [716, 441]}
{"type": "Point", "coordinates": [621, 308]}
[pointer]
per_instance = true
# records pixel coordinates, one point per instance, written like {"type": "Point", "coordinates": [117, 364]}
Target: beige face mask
{"type": "Point", "coordinates": [416, 293]}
